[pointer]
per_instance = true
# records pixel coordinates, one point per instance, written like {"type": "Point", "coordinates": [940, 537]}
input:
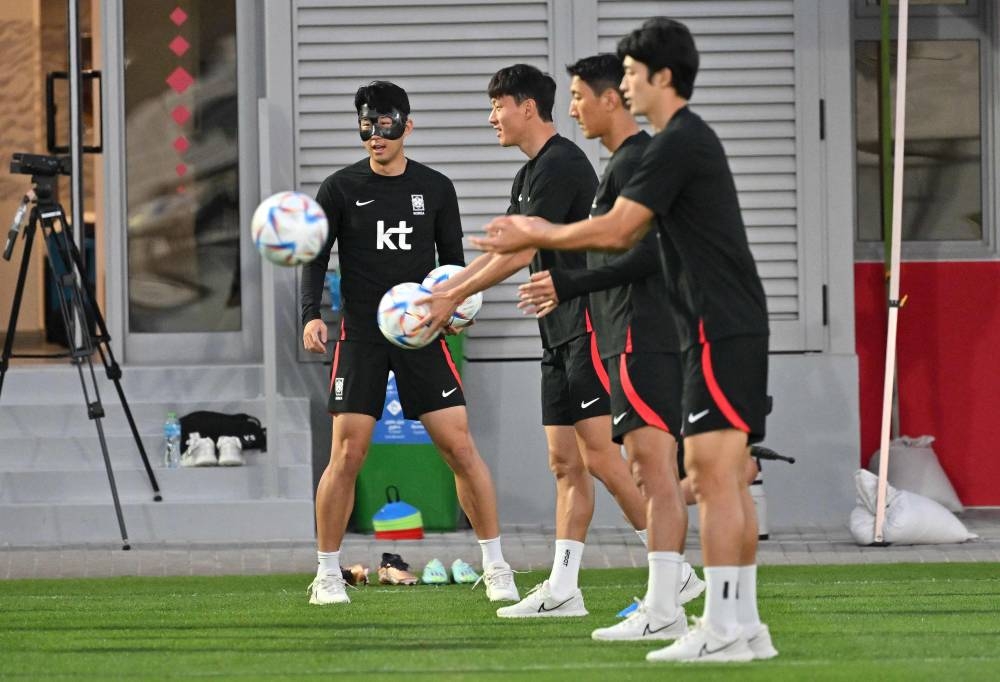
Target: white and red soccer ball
{"type": "Point", "coordinates": [289, 228]}
{"type": "Point", "coordinates": [467, 309]}
{"type": "Point", "coordinates": [399, 317]}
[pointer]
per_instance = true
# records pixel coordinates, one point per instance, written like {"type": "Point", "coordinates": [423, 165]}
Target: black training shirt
{"type": "Point", "coordinates": [558, 185]}
{"type": "Point", "coordinates": [684, 178]}
{"type": "Point", "coordinates": [389, 229]}
{"type": "Point", "coordinates": [629, 309]}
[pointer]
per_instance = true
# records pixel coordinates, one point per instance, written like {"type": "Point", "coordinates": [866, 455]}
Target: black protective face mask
{"type": "Point", "coordinates": [386, 124]}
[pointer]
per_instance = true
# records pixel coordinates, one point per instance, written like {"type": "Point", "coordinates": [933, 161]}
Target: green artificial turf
{"type": "Point", "coordinates": [874, 622]}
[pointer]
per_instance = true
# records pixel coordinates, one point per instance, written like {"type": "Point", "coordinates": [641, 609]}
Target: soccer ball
{"type": "Point", "coordinates": [398, 316]}
{"type": "Point", "coordinates": [289, 228]}
{"type": "Point", "coordinates": [467, 310]}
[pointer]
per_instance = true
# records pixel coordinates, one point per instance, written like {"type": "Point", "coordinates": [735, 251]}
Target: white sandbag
{"type": "Point", "coordinates": [914, 466]}
{"type": "Point", "coordinates": [910, 519]}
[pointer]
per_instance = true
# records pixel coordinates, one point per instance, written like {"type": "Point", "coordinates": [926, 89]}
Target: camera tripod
{"type": "Point", "coordinates": [80, 315]}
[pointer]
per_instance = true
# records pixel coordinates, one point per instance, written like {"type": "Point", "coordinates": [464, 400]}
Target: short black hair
{"type": "Point", "coordinates": [382, 96]}
{"type": "Point", "coordinates": [600, 72]}
{"type": "Point", "coordinates": [523, 81]}
{"type": "Point", "coordinates": [664, 43]}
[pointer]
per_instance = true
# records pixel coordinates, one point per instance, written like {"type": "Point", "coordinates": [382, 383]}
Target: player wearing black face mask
{"type": "Point", "coordinates": [389, 124]}
{"type": "Point", "coordinates": [393, 219]}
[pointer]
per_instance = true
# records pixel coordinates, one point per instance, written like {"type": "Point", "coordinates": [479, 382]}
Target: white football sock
{"type": "Point", "coordinates": [565, 568]}
{"type": "Point", "coordinates": [720, 599]}
{"type": "Point", "coordinates": [746, 597]}
{"type": "Point", "coordinates": [664, 584]}
{"type": "Point", "coordinates": [644, 536]}
{"type": "Point", "coordinates": [492, 553]}
{"type": "Point", "coordinates": [329, 563]}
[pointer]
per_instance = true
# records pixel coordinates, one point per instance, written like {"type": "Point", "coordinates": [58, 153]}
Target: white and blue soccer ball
{"type": "Point", "coordinates": [399, 317]}
{"type": "Point", "coordinates": [289, 228]}
{"type": "Point", "coordinates": [467, 309]}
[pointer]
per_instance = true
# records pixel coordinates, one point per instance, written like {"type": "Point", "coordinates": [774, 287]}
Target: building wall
{"type": "Point", "coordinates": [948, 364]}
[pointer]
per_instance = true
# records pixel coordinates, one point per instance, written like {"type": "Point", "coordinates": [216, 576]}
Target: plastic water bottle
{"type": "Point", "coordinates": [760, 504]}
{"type": "Point", "coordinates": [171, 441]}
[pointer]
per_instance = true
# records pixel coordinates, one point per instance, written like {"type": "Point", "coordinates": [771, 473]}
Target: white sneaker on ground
{"type": "Point", "coordinates": [759, 639]}
{"type": "Point", "coordinates": [230, 451]}
{"type": "Point", "coordinates": [200, 452]}
{"type": "Point", "coordinates": [702, 644]}
{"type": "Point", "coordinates": [499, 579]}
{"type": "Point", "coordinates": [541, 604]}
{"type": "Point", "coordinates": [640, 626]}
{"type": "Point", "coordinates": [328, 589]}
{"type": "Point", "coordinates": [691, 585]}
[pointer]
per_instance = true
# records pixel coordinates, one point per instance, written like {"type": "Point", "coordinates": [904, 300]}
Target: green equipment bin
{"type": "Point", "coordinates": [402, 455]}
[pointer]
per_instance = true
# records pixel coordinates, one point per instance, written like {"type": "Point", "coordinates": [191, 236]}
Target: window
{"type": "Point", "coordinates": [947, 147]}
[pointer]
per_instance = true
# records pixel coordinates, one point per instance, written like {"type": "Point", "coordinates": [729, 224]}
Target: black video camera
{"type": "Point", "coordinates": [36, 164]}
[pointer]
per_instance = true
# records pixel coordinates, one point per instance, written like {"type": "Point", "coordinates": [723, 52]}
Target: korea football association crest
{"type": "Point", "coordinates": [417, 200]}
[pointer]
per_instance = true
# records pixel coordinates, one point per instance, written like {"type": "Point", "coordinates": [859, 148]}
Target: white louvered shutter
{"type": "Point", "coordinates": [746, 90]}
{"type": "Point", "coordinates": [442, 52]}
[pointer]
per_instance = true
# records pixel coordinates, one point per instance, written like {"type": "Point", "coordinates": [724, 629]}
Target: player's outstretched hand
{"type": "Point", "coordinates": [538, 297]}
{"type": "Point", "coordinates": [440, 309]}
{"type": "Point", "coordinates": [314, 336]}
{"type": "Point", "coordinates": [508, 234]}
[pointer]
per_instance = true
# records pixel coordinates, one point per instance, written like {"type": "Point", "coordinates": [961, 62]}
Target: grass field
{"type": "Point", "coordinates": [875, 622]}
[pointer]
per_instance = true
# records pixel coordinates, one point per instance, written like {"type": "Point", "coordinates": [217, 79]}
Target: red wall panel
{"type": "Point", "coordinates": [949, 366]}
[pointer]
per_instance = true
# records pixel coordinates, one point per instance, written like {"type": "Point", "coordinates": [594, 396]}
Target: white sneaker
{"type": "Point", "coordinates": [691, 585]}
{"type": "Point", "coordinates": [328, 589]}
{"type": "Point", "coordinates": [640, 627]}
{"type": "Point", "coordinates": [499, 579]}
{"type": "Point", "coordinates": [200, 452]}
{"type": "Point", "coordinates": [540, 604]}
{"type": "Point", "coordinates": [702, 644]}
{"type": "Point", "coordinates": [759, 639]}
{"type": "Point", "coordinates": [230, 451]}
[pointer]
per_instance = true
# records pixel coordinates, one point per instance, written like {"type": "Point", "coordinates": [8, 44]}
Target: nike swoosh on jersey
{"type": "Point", "coordinates": [445, 394]}
{"type": "Point", "coordinates": [584, 404]}
{"type": "Point", "coordinates": [692, 418]}
{"type": "Point", "coordinates": [618, 418]}
{"type": "Point", "coordinates": [362, 203]}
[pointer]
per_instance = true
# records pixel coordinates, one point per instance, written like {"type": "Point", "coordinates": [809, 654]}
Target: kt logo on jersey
{"type": "Point", "coordinates": [385, 236]}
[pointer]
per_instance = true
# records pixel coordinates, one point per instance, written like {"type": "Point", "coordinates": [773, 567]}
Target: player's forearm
{"type": "Point", "coordinates": [313, 275]}
{"type": "Point", "coordinates": [493, 269]}
{"type": "Point", "coordinates": [600, 233]}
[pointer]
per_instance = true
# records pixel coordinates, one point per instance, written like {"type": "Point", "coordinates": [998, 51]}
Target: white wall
{"type": "Point", "coordinates": [815, 420]}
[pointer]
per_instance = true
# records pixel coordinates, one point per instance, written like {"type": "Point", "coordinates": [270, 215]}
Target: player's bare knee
{"type": "Point", "coordinates": [566, 467]}
{"type": "Point", "coordinates": [347, 457]}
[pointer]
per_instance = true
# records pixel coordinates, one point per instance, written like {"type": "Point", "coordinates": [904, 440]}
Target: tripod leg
{"type": "Point", "coordinates": [71, 304]}
{"type": "Point", "coordinates": [111, 366]}
{"type": "Point", "coordinates": [95, 411]}
{"type": "Point", "coordinates": [114, 373]}
{"type": "Point", "coordinates": [15, 308]}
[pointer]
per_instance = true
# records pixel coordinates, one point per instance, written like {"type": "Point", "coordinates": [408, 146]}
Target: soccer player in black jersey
{"type": "Point", "coordinates": [685, 186]}
{"type": "Point", "coordinates": [392, 217]}
{"type": "Point", "coordinates": [642, 352]}
{"type": "Point", "coordinates": [556, 183]}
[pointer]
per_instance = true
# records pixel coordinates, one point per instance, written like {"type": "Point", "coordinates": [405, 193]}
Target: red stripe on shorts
{"type": "Point", "coordinates": [599, 369]}
{"type": "Point", "coordinates": [336, 355]}
{"type": "Point", "coordinates": [728, 411]}
{"type": "Point", "coordinates": [451, 363]}
{"type": "Point", "coordinates": [638, 404]}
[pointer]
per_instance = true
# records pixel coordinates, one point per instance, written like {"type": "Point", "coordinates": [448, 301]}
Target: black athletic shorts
{"type": "Point", "coordinates": [574, 382]}
{"type": "Point", "coordinates": [725, 386]}
{"type": "Point", "coordinates": [426, 378]}
{"type": "Point", "coordinates": [645, 391]}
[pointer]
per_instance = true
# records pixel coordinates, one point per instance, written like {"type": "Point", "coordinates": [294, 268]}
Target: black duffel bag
{"type": "Point", "coordinates": [212, 425]}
